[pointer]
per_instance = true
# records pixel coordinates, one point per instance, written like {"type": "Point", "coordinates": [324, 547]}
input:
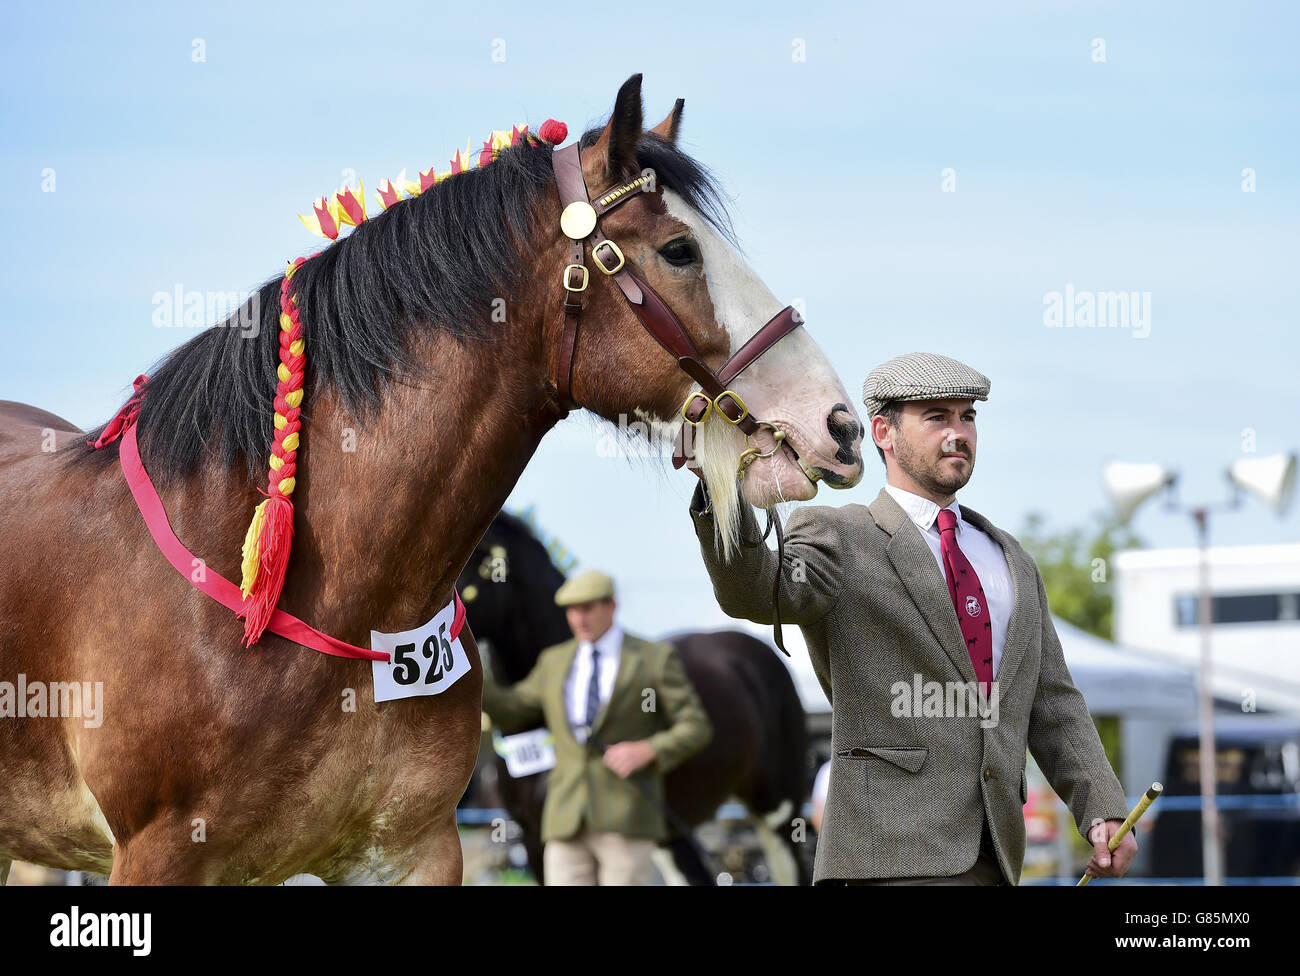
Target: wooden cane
{"type": "Point", "coordinates": [1134, 815]}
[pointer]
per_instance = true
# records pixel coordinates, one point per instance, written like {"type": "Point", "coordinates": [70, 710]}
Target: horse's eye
{"type": "Point", "coordinates": [680, 252]}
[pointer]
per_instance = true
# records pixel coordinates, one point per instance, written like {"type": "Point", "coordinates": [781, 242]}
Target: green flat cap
{"type": "Point", "coordinates": [586, 586]}
{"type": "Point", "coordinates": [922, 376]}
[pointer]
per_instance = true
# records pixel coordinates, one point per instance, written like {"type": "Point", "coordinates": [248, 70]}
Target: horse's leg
{"type": "Point", "coordinates": [161, 854]}
{"type": "Point", "coordinates": [523, 799]}
{"type": "Point", "coordinates": [802, 855]}
{"type": "Point", "coordinates": [781, 858]}
{"type": "Point", "coordinates": [666, 861]}
{"type": "Point", "coordinates": [443, 862]}
{"type": "Point", "coordinates": [687, 859]}
{"type": "Point", "coordinates": [533, 846]}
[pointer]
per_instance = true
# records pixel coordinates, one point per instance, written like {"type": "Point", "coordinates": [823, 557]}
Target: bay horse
{"type": "Point", "coordinates": [440, 335]}
{"type": "Point", "coordinates": [759, 750]}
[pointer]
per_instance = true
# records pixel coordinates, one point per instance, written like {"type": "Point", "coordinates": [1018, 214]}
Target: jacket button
{"type": "Point", "coordinates": [988, 774]}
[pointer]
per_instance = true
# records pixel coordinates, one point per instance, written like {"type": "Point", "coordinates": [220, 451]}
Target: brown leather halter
{"type": "Point", "coordinates": [580, 220]}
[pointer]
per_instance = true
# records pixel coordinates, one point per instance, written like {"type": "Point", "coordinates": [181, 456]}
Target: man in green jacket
{"type": "Point", "coordinates": [623, 713]}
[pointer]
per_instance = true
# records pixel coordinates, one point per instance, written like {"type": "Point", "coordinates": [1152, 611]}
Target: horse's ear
{"type": "Point", "coordinates": [667, 129]}
{"type": "Point", "coordinates": [616, 147]}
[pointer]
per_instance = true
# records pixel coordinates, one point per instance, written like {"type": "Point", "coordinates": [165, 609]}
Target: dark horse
{"type": "Point", "coordinates": [437, 342]}
{"type": "Point", "coordinates": [759, 750]}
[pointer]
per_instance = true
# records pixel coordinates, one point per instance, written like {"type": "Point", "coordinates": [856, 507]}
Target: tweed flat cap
{"type": "Point", "coordinates": [921, 376]}
{"type": "Point", "coordinates": [591, 585]}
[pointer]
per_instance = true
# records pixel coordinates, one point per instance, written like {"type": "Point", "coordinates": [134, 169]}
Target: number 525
{"type": "Point", "coordinates": [437, 650]}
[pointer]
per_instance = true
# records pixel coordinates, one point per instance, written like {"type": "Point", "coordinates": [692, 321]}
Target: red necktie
{"type": "Point", "coordinates": [968, 600]}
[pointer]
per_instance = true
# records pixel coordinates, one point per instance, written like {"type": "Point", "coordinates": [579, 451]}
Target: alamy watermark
{"type": "Point", "coordinates": [945, 699]}
{"type": "Point", "coordinates": [54, 699]}
{"type": "Point", "coordinates": [647, 437]}
{"type": "Point", "coordinates": [191, 309]}
{"type": "Point", "coordinates": [77, 929]}
{"type": "Point", "coordinates": [1073, 309]}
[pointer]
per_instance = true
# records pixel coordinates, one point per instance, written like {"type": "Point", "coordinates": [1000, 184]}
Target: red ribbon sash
{"type": "Point", "coordinates": [214, 584]}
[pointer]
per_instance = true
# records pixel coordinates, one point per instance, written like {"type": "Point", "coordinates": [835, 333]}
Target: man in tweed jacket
{"type": "Point", "coordinates": [922, 794]}
{"type": "Point", "coordinates": [623, 713]}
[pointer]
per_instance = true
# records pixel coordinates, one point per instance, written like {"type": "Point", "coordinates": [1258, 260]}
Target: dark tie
{"type": "Point", "coordinates": [968, 600]}
{"type": "Point", "coordinates": [593, 689]}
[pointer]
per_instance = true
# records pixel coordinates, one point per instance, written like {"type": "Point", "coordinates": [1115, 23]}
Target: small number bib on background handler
{"type": "Point", "coordinates": [526, 753]}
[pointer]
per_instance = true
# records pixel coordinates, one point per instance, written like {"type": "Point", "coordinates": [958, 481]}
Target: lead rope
{"type": "Point", "coordinates": [774, 523]}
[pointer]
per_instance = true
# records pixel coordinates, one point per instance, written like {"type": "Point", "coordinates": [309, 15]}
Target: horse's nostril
{"type": "Point", "coordinates": [844, 430]}
{"type": "Point", "coordinates": [843, 425]}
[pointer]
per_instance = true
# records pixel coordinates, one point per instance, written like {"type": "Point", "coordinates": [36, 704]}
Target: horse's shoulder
{"type": "Point", "coordinates": [27, 431]}
{"type": "Point", "coordinates": [14, 414]}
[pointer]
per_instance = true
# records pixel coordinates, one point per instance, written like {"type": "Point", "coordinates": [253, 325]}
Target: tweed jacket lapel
{"type": "Point", "coordinates": [629, 661]}
{"type": "Point", "coordinates": [1024, 592]}
{"type": "Point", "coordinates": [915, 565]}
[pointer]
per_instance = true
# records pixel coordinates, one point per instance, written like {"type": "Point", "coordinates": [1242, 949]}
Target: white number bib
{"type": "Point", "coordinates": [423, 661]}
{"type": "Point", "coordinates": [527, 752]}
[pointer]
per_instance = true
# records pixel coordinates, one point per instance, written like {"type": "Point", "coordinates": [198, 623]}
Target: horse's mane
{"type": "Point", "coordinates": [433, 261]}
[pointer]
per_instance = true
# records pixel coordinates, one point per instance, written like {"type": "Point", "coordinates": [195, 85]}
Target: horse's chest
{"type": "Point", "coordinates": [389, 794]}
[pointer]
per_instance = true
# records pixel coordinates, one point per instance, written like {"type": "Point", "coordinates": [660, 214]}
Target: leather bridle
{"type": "Point", "coordinates": [580, 221]}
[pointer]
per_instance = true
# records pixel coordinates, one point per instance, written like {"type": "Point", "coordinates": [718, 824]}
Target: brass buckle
{"type": "Point", "coordinates": [708, 408]}
{"type": "Point", "coordinates": [595, 256]}
{"type": "Point", "coordinates": [744, 410]}
{"type": "Point", "coordinates": [751, 454]}
{"type": "Point", "coordinates": [585, 277]}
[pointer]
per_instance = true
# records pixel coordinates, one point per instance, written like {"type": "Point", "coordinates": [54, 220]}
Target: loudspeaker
{"type": "Point", "coordinates": [1129, 485]}
{"type": "Point", "coordinates": [1271, 479]}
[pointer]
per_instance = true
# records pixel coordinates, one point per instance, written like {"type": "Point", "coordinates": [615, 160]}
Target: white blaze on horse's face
{"type": "Point", "coordinates": [791, 386]}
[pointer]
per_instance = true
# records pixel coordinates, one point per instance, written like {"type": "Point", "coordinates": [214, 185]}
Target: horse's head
{"type": "Point", "coordinates": [636, 360]}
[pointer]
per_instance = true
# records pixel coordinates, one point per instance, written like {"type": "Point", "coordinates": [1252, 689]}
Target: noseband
{"type": "Point", "coordinates": [580, 221]}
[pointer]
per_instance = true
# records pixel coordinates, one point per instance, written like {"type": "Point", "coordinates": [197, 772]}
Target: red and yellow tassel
{"type": "Point", "coordinates": [270, 534]}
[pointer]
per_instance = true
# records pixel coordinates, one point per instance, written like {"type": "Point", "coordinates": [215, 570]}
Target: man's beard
{"type": "Point", "coordinates": [929, 476]}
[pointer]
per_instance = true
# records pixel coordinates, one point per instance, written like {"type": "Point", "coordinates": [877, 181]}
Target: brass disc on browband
{"type": "Point", "coordinates": [578, 220]}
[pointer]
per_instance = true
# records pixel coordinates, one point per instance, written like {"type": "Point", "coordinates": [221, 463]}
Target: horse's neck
{"type": "Point", "coordinates": [393, 511]}
{"type": "Point", "coordinates": [387, 511]}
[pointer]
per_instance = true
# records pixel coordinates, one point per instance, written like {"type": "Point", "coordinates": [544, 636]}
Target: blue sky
{"type": "Point", "coordinates": [1122, 175]}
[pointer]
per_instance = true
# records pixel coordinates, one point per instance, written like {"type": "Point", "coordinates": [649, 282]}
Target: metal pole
{"type": "Point", "coordinates": [1211, 842]}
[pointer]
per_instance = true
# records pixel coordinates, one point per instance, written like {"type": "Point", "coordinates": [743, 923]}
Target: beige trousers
{"type": "Point", "coordinates": [603, 857]}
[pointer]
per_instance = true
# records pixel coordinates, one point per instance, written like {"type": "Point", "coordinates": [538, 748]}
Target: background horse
{"type": "Point", "coordinates": [759, 750]}
{"type": "Point", "coordinates": [433, 335]}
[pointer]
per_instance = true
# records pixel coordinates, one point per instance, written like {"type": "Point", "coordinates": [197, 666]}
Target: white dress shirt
{"type": "Point", "coordinates": [610, 646]}
{"type": "Point", "coordinates": [980, 550]}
